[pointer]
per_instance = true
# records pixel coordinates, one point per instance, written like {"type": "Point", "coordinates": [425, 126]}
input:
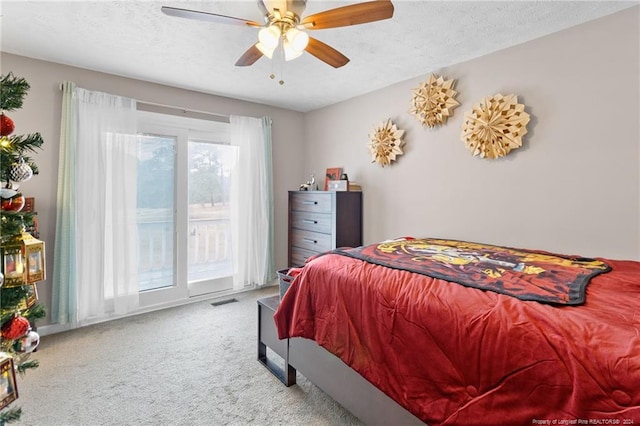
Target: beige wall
{"type": "Point", "coordinates": [41, 113]}
{"type": "Point", "coordinates": [572, 188]}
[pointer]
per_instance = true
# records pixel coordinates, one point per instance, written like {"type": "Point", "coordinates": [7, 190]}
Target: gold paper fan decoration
{"type": "Point", "coordinates": [494, 126]}
{"type": "Point", "coordinates": [433, 101]}
{"type": "Point", "coordinates": [385, 143]}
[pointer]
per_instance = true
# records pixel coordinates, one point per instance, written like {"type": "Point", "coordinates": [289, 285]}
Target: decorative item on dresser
{"type": "Point", "coordinates": [332, 173]}
{"type": "Point", "coordinates": [323, 220]}
{"type": "Point", "coordinates": [338, 185]}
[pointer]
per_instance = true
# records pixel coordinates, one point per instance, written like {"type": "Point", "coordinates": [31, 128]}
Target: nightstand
{"type": "Point", "coordinates": [268, 338]}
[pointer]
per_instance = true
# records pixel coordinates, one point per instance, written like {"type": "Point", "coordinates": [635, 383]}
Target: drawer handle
{"type": "Point", "coordinates": [310, 202]}
{"type": "Point", "coordinates": [309, 240]}
{"type": "Point", "coordinates": [309, 221]}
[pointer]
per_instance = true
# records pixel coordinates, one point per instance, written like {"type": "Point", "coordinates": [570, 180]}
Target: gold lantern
{"type": "Point", "coordinates": [23, 260]}
{"type": "Point", "coordinates": [24, 297]}
{"type": "Point", "coordinates": [30, 298]}
{"type": "Point", "coordinates": [8, 389]}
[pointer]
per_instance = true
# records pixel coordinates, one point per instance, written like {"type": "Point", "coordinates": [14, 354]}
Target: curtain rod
{"type": "Point", "coordinates": [194, 113]}
{"type": "Point", "coordinates": [183, 110]}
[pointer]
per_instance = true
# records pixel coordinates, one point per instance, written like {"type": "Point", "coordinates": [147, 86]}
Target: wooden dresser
{"type": "Point", "coordinates": [323, 220]}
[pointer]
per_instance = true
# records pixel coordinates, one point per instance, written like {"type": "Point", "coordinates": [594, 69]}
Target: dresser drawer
{"type": "Point", "coordinates": [311, 221]}
{"type": "Point", "coordinates": [300, 255]}
{"type": "Point", "coordinates": [313, 241]}
{"type": "Point", "coordinates": [311, 202]}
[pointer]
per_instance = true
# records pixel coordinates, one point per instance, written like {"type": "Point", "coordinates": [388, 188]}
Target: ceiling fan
{"type": "Point", "coordinates": [284, 27]}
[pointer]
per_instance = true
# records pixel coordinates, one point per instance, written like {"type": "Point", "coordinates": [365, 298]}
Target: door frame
{"type": "Point", "coordinates": [153, 123]}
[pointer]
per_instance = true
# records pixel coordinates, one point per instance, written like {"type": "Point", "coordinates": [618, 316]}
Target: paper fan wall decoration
{"type": "Point", "coordinates": [433, 101]}
{"type": "Point", "coordinates": [494, 126]}
{"type": "Point", "coordinates": [385, 143]}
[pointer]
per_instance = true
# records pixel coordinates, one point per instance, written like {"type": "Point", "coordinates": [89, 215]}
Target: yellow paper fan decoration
{"type": "Point", "coordinates": [385, 143]}
{"type": "Point", "coordinates": [494, 126]}
{"type": "Point", "coordinates": [433, 101]}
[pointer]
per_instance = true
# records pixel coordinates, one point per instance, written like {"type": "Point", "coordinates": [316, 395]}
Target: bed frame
{"type": "Point", "coordinates": [326, 371]}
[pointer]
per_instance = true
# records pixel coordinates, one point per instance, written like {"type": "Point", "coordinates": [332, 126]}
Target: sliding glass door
{"type": "Point", "coordinates": [184, 238]}
{"type": "Point", "coordinates": [210, 265]}
{"type": "Point", "coordinates": [155, 211]}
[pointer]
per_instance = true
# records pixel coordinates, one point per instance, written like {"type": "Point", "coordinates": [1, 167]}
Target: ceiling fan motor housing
{"type": "Point", "coordinates": [296, 7]}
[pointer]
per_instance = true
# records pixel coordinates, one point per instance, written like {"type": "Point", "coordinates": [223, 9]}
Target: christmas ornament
{"type": "Point", "coordinates": [27, 343]}
{"type": "Point", "coordinates": [16, 327]}
{"type": "Point", "coordinates": [9, 190]}
{"type": "Point", "coordinates": [6, 125]}
{"type": "Point", "coordinates": [20, 171]}
{"type": "Point", "coordinates": [13, 204]}
{"type": "Point", "coordinates": [5, 143]}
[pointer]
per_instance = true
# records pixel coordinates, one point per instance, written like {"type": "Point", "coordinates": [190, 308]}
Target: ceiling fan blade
{"type": "Point", "coordinates": [249, 57]}
{"type": "Point", "coordinates": [208, 17]}
{"type": "Point", "coordinates": [354, 14]}
{"type": "Point", "coordinates": [326, 53]}
{"type": "Point", "coordinates": [263, 7]}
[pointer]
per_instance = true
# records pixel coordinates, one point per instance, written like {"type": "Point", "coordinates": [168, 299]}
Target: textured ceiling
{"type": "Point", "coordinates": [135, 39]}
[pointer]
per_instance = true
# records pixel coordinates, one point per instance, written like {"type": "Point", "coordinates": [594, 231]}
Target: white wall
{"type": "Point", "coordinates": [574, 187]}
{"type": "Point", "coordinates": [41, 113]}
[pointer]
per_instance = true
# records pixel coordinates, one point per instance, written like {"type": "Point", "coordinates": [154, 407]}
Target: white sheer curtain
{"type": "Point", "coordinates": [100, 264]}
{"type": "Point", "coordinates": [251, 201]}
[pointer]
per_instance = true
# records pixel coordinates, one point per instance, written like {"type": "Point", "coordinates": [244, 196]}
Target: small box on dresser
{"type": "Point", "coordinates": [320, 221]}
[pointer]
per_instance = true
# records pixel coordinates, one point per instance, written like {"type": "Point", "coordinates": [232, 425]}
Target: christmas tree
{"type": "Point", "coordinates": [21, 254]}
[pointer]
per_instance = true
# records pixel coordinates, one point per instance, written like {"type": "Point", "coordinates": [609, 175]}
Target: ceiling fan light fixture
{"type": "Point", "coordinates": [289, 52]}
{"type": "Point", "coordinates": [269, 36]}
{"type": "Point", "coordinates": [268, 52]}
{"type": "Point", "coordinates": [297, 39]}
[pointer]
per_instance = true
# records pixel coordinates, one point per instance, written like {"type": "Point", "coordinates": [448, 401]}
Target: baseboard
{"type": "Point", "coordinates": [45, 330]}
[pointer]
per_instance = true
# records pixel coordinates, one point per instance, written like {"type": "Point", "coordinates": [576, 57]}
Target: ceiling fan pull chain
{"type": "Point", "coordinates": [281, 61]}
{"type": "Point", "coordinates": [273, 74]}
{"type": "Point", "coordinates": [281, 71]}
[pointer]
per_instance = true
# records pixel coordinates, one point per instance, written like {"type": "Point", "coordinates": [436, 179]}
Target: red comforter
{"type": "Point", "coordinates": [454, 355]}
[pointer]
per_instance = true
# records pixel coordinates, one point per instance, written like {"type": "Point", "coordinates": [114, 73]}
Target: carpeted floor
{"type": "Point", "coordinates": [191, 365]}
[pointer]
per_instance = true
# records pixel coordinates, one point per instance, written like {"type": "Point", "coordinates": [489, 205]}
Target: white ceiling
{"type": "Point", "coordinates": [135, 39]}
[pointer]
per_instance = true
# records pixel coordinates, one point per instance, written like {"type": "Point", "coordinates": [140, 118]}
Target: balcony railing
{"type": "Point", "coordinates": [210, 251]}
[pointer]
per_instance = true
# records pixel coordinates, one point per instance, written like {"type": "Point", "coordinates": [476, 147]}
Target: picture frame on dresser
{"type": "Point", "coordinates": [332, 173]}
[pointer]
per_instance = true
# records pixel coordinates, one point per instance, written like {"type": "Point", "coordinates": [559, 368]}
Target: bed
{"type": "Point", "coordinates": [479, 334]}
